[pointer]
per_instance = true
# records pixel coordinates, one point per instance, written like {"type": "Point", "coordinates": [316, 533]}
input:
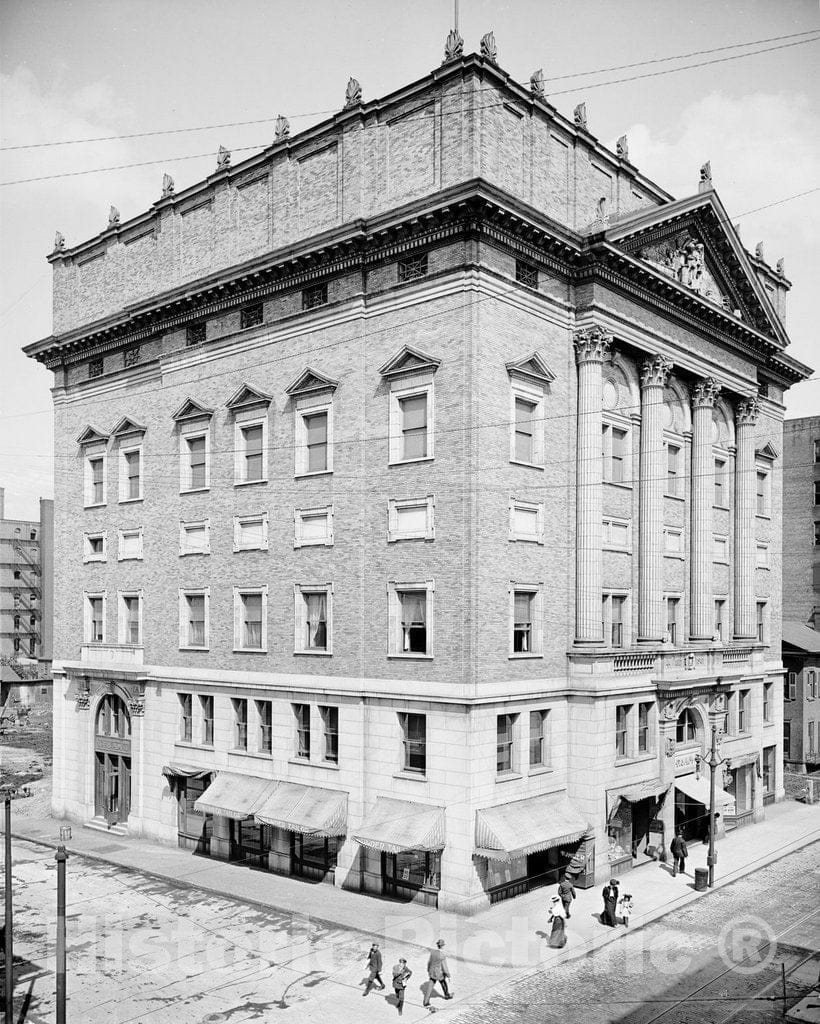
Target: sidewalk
{"type": "Point", "coordinates": [508, 936]}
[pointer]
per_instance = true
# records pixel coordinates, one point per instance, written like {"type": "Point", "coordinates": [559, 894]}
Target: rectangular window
{"type": "Point", "coordinates": [762, 556]}
{"type": "Point", "coordinates": [186, 717]}
{"type": "Point", "coordinates": [762, 493]}
{"type": "Point", "coordinates": [614, 454]}
{"type": "Point", "coordinates": [672, 612]}
{"type": "Point", "coordinates": [314, 296]}
{"type": "Point", "coordinates": [817, 492]}
{"type": "Point", "coordinates": [674, 470]}
{"type": "Point", "coordinates": [616, 533]}
{"type": "Point", "coordinates": [526, 274]}
{"type": "Point", "coordinates": [504, 748]}
{"type": "Point", "coordinates": [743, 722]}
{"type": "Point", "coordinates": [313, 442]}
{"type": "Point", "coordinates": [131, 474]}
{"type": "Point", "coordinates": [413, 611]}
{"type": "Point", "coordinates": [94, 547]}
{"type": "Point", "coordinates": [250, 619]}
{"type": "Point", "coordinates": [769, 769]}
{"type": "Point", "coordinates": [252, 453]}
{"type": "Point", "coordinates": [264, 716]}
{"type": "Point", "coordinates": [95, 606]}
{"type": "Point", "coordinates": [621, 730]}
{"type": "Point", "coordinates": [412, 267]}
{"type": "Point", "coordinates": [330, 728]}
{"type": "Point", "coordinates": [817, 534]}
{"type": "Point", "coordinates": [761, 621]}
{"type": "Point", "coordinates": [413, 413]}
{"type": "Point", "coordinates": [195, 334]}
{"type": "Point", "coordinates": [95, 480]}
{"type": "Point", "coordinates": [301, 714]}
{"type": "Point", "coordinates": [525, 431]}
{"type": "Point", "coordinates": [527, 521]}
{"type": "Point", "coordinates": [410, 519]}
{"type": "Point", "coordinates": [673, 541]}
{"type": "Point", "coordinates": [644, 726]}
{"type": "Point", "coordinates": [240, 723]}
{"type": "Point", "coordinates": [250, 533]}
{"type": "Point", "coordinates": [130, 619]}
{"type": "Point", "coordinates": [811, 742]}
{"type": "Point", "coordinates": [720, 483]}
{"type": "Point", "coordinates": [720, 550]}
{"type": "Point", "coordinates": [617, 611]}
{"type": "Point", "coordinates": [130, 544]}
{"type": "Point", "coordinates": [768, 690]}
{"type": "Point", "coordinates": [538, 739]}
{"type": "Point", "coordinates": [313, 526]}
{"type": "Point", "coordinates": [195, 463]}
{"type": "Point", "coordinates": [790, 686]}
{"type": "Point", "coordinates": [523, 606]}
{"type": "Point", "coordinates": [817, 451]}
{"type": "Point", "coordinates": [720, 612]}
{"type": "Point", "coordinates": [206, 705]}
{"type": "Point", "coordinates": [195, 538]}
{"type": "Point", "coordinates": [195, 621]}
{"type": "Point", "coordinates": [414, 742]}
{"type": "Point", "coordinates": [315, 612]}
{"type": "Point", "coordinates": [787, 740]}
{"type": "Point", "coordinates": [251, 316]}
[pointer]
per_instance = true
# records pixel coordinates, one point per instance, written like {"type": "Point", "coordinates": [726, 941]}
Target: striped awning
{"type": "Point", "coordinates": [396, 825]}
{"type": "Point", "coordinates": [236, 796]}
{"type": "Point", "coordinates": [633, 793]}
{"type": "Point", "coordinates": [306, 809]}
{"type": "Point", "coordinates": [697, 789]}
{"type": "Point", "coordinates": [175, 770]}
{"type": "Point", "coordinates": [527, 826]}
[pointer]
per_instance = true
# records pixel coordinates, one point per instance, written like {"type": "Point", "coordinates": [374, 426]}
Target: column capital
{"type": "Point", "coordinates": [705, 393]}
{"type": "Point", "coordinates": [746, 411]}
{"type": "Point", "coordinates": [592, 344]}
{"type": "Point", "coordinates": [655, 372]}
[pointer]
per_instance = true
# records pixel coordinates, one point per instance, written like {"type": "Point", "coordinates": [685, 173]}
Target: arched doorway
{"type": "Point", "coordinates": [691, 785]}
{"type": "Point", "coordinates": [112, 757]}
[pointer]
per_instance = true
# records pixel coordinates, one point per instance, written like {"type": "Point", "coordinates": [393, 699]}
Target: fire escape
{"type": "Point", "coordinates": [26, 611]}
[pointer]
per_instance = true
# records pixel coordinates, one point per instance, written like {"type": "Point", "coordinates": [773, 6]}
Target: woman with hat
{"type": "Point", "coordinates": [557, 917]}
{"type": "Point", "coordinates": [610, 895]}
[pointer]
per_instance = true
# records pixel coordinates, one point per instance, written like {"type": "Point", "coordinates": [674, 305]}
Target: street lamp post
{"type": "Point", "coordinates": [61, 857]}
{"type": "Point", "coordinates": [9, 940]}
{"type": "Point", "coordinates": [714, 762]}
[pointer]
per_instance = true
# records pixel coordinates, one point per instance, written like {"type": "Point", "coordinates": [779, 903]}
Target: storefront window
{"type": "Point", "coordinates": [413, 868]}
{"type": "Point", "coordinates": [249, 840]}
{"type": "Point", "coordinates": [192, 822]}
{"type": "Point", "coordinates": [768, 769]}
{"type": "Point", "coordinates": [312, 855]}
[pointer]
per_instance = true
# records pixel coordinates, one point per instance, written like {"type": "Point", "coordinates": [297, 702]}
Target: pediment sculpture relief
{"type": "Point", "coordinates": [683, 259]}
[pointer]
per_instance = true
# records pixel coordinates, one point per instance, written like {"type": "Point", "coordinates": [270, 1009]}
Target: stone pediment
{"type": "Point", "coordinates": [191, 410]}
{"type": "Point", "coordinates": [694, 244]}
{"type": "Point", "coordinates": [531, 368]}
{"type": "Point", "coordinates": [409, 360]}
{"type": "Point", "coordinates": [768, 451]}
{"type": "Point", "coordinates": [127, 426]}
{"type": "Point", "coordinates": [309, 382]}
{"type": "Point", "coordinates": [246, 397]}
{"type": "Point", "coordinates": [91, 436]}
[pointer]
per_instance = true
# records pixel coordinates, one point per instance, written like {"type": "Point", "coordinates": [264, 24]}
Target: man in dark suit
{"type": "Point", "coordinates": [679, 854]}
{"type": "Point", "coordinates": [437, 971]}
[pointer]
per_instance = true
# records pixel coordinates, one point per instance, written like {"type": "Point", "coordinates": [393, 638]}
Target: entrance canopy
{"type": "Point", "coordinates": [307, 809]}
{"type": "Point", "coordinates": [175, 770]}
{"type": "Point", "coordinates": [234, 796]}
{"type": "Point", "coordinates": [527, 826]}
{"type": "Point", "coordinates": [698, 789]}
{"type": "Point", "coordinates": [397, 825]}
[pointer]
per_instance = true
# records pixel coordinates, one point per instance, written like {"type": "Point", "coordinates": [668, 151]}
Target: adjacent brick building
{"type": "Point", "coordinates": [348, 588]}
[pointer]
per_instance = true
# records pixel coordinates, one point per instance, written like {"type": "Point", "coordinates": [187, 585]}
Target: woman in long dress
{"type": "Point", "coordinates": [610, 895]}
{"type": "Point", "coordinates": [557, 919]}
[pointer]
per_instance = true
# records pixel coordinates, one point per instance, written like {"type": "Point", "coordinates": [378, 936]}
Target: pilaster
{"type": "Point", "coordinates": [746, 413]}
{"type": "Point", "coordinates": [701, 602]}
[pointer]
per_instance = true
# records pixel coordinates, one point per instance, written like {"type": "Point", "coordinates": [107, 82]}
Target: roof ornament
{"type": "Point", "coordinates": [167, 186]}
{"type": "Point", "coordinates": [759, 252]}
{"type": "Point", "coordinates": [281, 129]}
{"type": "Point", "coordinates": [601, 222]}
{"type": "Point", "coordinates": [622, 146]}
{"type": "Point", "coordinates": [780, 268]}
{"type": "Point", "coordinates": [454, 46]}
{"type": "Point", "coordinates": [705, 182]}
{"type": "Point", "coordinates": [537, 84]}
{"type": "Point", "coordinates": [489, 51]}
{"type": "Point", "coordinates": [353, 93]}
{"type": "Point", "coordinates": [113, 217]}
{"type": "Point", "coordinates": [59, 242]}
{"type": "Point", "coordinates": [580, 116]}
{"type": "Point", "coordinates": [223, 159]}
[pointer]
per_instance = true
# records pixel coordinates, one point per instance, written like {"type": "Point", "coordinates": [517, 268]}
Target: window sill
{"type": "Point", "coordinates": [260, 755]}
{"type": "Point", "coordinates": [129, 501]}
{"type": "Point", "coordinates": [635, 758]}
{"type": "Point", "coordinates": [719, 561]}
{"type": "Point", "coordinates": [409, 462]}
{"type": "Point", "coordinates": [765, 568]}
{"type": "Point", "coordinates": [675, 497]}
{"type": "Point", "coordinates": [92, 561]}
{"type": "Point", "coordinates": [130, 558]}
{"type": "Point", "coordinates": [190, 745]}
{"type": "Point", "coordinates": [302, 761]}
{"type": "Point", "coordinates": [249, 483]}
{"type": "Point", "coordinates": [331, 766]}
{"type": "Point", "coordinates": [623, 551]}
{"type": "Point", "coordinates": [312, 544]}
{"type": "Point", "coordinates": [194, 490]}
{"type": "Point", "coordinates": [526, 540]}
{"type": "Point", "coordinates": [314, 654]}
{"type": "Point", "coordinates": [411, 657]}
{"type": "Point", "coordinates": [415, 536]}
{"type": "Point", "coordinates": [540, 769]}
{"type": "Point", "coordinates": [530, 656]}
{"type": "Point", "coordinates": [413, 776]}
{"type": "Point", "coordinates": [768, 725]}
{"type": "Point", "coordinates": [185, 554]}
{"type": "Point", "coordinates": [238, 750]}
{"type": "Point", "coordinates": [618, 483]}
{"type": "Point", "coordinates": [312, 473]}
{"type": "Point", "coordinates": [722, 508]}
{"type": "Point", "coordinates": [96, 504]}
{"type": "Point", "coordinates": [192, 648]}
{"type": "Point", "coordinates": [507, 776]}
{"type": "Point", "coordinates": [763, 515]}
{"type": "Point", "coordinates": [250, 650]}
{"type": "Point", "coordinates": [238, 551]}
{"type": "Point", "coordinates": [527, 465]}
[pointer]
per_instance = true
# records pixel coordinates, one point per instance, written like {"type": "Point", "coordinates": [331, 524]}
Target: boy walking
{"type": "Point", "coordinates": [401, 975]}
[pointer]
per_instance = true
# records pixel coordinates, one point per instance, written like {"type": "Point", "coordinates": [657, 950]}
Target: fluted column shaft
{"type": "Point", "coordinates": [745, 510]}
{"type": "Point", "coordinates": [591, 348]}
{"type": "Point", "coordinates": [654, 375]}
{"type": "Point", "coordinates": [701, 604]}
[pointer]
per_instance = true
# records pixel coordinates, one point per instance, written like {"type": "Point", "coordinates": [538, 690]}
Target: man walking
{"type": "Point", "coordinates": [401, 975]}
{"type": "Point", "coordinates": [437, 971]}
{"type": "Point", "coordinates": [374, 962]}
{"type": "Point", "coordinates": [566, 890]}
{"type": "Point", "coordinates": [679, 854]}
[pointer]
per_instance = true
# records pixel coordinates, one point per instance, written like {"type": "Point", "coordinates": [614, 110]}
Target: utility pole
{"type": "Point", "coordinates": [714, 762]}
{"type": "Point", "coordinates": [61, 857]}
{"type": "Point", "coordinates": [9, 941]}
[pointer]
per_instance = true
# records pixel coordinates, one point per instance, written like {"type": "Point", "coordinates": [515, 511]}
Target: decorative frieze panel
{"type": "Point", "coordinates": [683, 259]}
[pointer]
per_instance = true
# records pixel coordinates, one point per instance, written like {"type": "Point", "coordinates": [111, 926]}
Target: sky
{"type": "Point", "coordinates": [85, 69]}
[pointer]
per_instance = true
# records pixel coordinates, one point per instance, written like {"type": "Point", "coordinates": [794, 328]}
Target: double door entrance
{"type": "Point", "coordinates": [112, 760]}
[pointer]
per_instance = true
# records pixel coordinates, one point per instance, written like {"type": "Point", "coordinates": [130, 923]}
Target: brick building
{"type": "Point", "coordinates": [801, 592]}
{"type": "Point", "coordinates": [350, 590]}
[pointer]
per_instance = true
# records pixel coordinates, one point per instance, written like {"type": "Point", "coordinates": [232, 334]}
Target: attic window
{"type": "Point", "coordinates": [526, 274]}
{"type": "Point", "coordinates": [131, 356]}
{"type": "Point", "coordinates": [195, 335]}
{"type": "Point", "coordinates": [251, 316]}
{"type": "Point", "coordinates": [413, 267]}
{"type": "Point", "coordinates": [314, 296]}
{"type": "Point", "coordinates": [95, 367]}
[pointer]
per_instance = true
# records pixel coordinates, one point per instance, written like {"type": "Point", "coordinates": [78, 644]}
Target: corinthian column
{"type": "Point", "coordinates": [702, 620]}
{"type": "Point", "coordinates": [654, 375]}
{"type": "Point", "coordinates": [591, 348]}
{"type": "Point", "coordinates": [745, 499]}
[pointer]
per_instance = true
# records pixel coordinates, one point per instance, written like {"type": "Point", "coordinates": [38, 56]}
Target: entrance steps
{"type": "Point", "coordinates": [99, 824]}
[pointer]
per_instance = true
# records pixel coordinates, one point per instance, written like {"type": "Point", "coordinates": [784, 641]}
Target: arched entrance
{"type": "Point", "coordinates": [112, 760]}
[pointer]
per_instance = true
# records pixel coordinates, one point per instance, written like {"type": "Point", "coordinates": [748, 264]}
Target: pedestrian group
{"type": "Point", "coordinates": [438, 972]}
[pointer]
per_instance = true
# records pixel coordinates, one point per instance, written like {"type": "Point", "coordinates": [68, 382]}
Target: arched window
{"type": "Point", "coordinates": [113, 718]}
{"type": "Point", "coordinates": [687, 728]}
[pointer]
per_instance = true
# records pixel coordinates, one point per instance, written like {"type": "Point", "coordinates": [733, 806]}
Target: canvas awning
{"type": "Point", "coordinates": [175, 770]}
{"type": "Point", "coordinates": [633, 793]}
{"type": "Point", "coordinates": [306, 809]}
{"type": "Point", "coordinates": [232, 795]}
{"type": "Point", "coordinates": [396, 825]}
{"type": "Point", "coordinates": [698, 789]}
{"type": "Point", "coordinates": [527, 826]}
{"type": "Point", "coordinates": [743, 759]}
